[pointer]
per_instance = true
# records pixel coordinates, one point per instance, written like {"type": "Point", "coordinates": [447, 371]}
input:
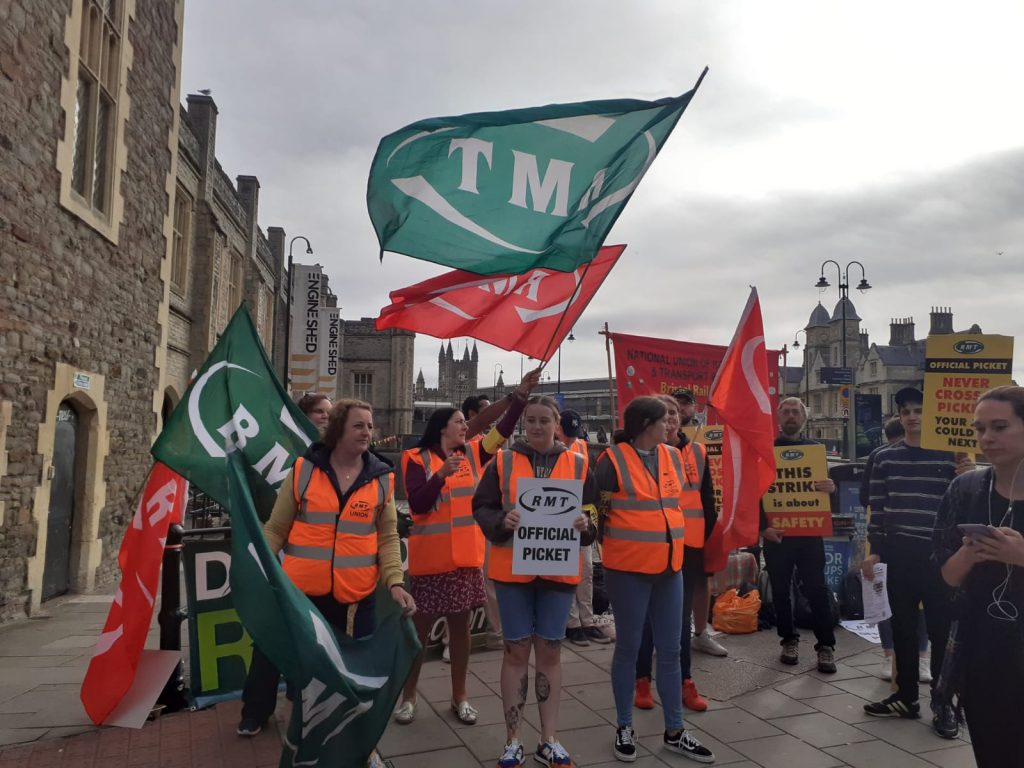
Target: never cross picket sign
{"type": "Point", "coordinates": [545, 543]}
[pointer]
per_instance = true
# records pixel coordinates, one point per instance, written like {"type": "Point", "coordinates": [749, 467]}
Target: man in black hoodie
{"type": "Point", "coordinates": [805, 554]}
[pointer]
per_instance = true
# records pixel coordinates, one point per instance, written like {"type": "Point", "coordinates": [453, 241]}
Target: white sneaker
{"type": "Point", "coordinates": [885, 668]}
{"type": "Point", "coordinates": [924, 669]}
{"type": "Point", "coordinates": [705, 643]}
{"type": "Point", "coordinates": [446, 655]}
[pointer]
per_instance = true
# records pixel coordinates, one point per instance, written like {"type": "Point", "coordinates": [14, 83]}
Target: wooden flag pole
{"type": "Point", "coordinates": [611, 387]}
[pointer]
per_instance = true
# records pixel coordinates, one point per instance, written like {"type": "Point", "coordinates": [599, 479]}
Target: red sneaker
{"type": "Point", "coordinates": [691, 698]}
{"type": "Point", "coordinates": [643, 699]}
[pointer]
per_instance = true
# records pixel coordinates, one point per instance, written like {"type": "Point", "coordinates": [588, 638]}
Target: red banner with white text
{"type": "Point", "coordinates": [650, 366]}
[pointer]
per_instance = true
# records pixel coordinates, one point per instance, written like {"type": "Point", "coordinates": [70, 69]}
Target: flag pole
{"type": "Point", "coordinates": [611, 389]}
{"type": "Point", "coordinates": [547, 351]}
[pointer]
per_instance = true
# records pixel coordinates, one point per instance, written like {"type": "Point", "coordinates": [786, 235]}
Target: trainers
{"type": "Point", "coordinates": [692, 698]}
{"type": "Point", "coordinates": [705, 643]}
{"type": "Point", "coordinates": [643, 699]}
{"type": "Point", "coordinates": [625, 744]}
{"type": "Point", "coordinates": [885, 668]}
{"type": "Point", "coordinates": [375, 761]}
{"type": "Point", "coordinates": [790, 652]}
{"type": "Point", "coordinates": [576, 636]}
{"type": "Point", "coordinates": [686, 745]}
{"type": "Point", "coordinates": [827, 659]}
{"type": "Point", "coordinates": [595, 635]}
{"type": "Point", "coordinates": [552, 753]}
{"type": "Point", "coordinates": [494, 641]}
{"type": "Point", "coordinates": [446, 655]}
{"type": "Point", "coordinates": [249, 726]}
{"type": "Point", "coordinates": [893, 707]}
{"type": "Point", "coordinates": [924, 669]}
{"type": "Point", "coordinates": [512, 757]}
{"type": "Point", "coordinates": [944, 722]}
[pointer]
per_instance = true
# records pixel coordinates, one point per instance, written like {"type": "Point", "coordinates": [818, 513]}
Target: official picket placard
{"type": "Point", "coordinates": [792, 504]}
{"type": "Point", "coordinates": [958, 368]}
{"type": "Point", "coordinates": [711, 439]}
{"type": "Point", "coordinates": [545, 543]}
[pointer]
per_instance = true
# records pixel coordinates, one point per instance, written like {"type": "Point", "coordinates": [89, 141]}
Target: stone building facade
{"type": "Point", "coordinates": [89, 126]}
{"type": "Point", "coordinates": [220, 257]}
{"type": "Point", "coordinates": [376, 366]}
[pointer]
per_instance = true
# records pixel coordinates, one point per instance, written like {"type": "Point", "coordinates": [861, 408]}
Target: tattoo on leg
{"type": "Point", "coordinates": [512, 717]}
{"type": "Point", "coordinates": [552, 644]}
{"type": "Point", "coordinates": [543, 687]}
{"type": "Point", "coordinates": [524, 687]}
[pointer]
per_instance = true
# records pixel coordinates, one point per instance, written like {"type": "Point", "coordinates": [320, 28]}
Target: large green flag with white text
{"type": "Point", "coordinates": [504, 192]}
{"type": "Point", "coordinates": [235, 404]}
{"type": "Point", "coordinates": [347, 687]}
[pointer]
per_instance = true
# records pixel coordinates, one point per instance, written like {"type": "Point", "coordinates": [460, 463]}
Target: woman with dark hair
{"type": "Point", "coordinates": [446, 548]}
{"type": "Point", "coordinates": [333, 550]}
{"type": "Point", "coordinates": [641, 480]}
{"type": "Point", "coordinates": [986, 563]}
{"type": "Point", "coordinates": [534, 609]}
{"type": "Point", "coordinates": [318, 408]}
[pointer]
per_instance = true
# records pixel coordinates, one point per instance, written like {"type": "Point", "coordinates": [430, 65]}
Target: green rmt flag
{"type": "Point", "coordinates": [235, 404]}
{"type": "Point", "coordinates": [348, 687]}
{"type": "Point", "coordinates": [504, 192]}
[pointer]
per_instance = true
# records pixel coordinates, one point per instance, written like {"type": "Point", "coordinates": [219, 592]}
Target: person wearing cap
{"type": "Point", "coordinates": [699, 603]}
{"type": "Point", "coordinates": [581, 629]}
{"type": "Point", "coordinates": [784, 554]}
{"type": "Point", "coordinates": [907, 486]}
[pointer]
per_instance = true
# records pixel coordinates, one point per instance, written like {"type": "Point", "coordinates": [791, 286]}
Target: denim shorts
{"type": "Point", "coordinates": [532, 609]}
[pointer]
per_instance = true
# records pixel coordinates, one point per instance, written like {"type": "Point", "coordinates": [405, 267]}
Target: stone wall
{"type": "Point", "coordinates": [70, 299]}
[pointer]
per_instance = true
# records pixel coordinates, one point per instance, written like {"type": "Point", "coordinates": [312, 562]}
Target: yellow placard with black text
{"type": "Point", "coordinates": [791, 504]}
{"type": "Point", "coordinates": [958, 368]}
{"type": "Point", "coordinates": [711, 438]}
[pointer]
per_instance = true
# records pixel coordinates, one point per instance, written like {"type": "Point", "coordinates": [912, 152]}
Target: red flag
{"type": "Point", "coordinates": [740, 397]}
{"type": "Point", "coordinates": [519, 313]}
{"type": "Point", "coordinates": [119, 647]}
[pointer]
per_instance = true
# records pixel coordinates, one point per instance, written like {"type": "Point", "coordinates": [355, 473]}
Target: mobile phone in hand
{"type": "Point", "coordinates": [976, 530]}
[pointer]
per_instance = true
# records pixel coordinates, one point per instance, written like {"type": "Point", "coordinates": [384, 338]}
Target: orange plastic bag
{"type": "Point", "coordinates": [736, 615]}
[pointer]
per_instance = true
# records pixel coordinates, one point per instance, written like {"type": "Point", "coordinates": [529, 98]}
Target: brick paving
{"type": "Point", "coordinates": [762, 713]}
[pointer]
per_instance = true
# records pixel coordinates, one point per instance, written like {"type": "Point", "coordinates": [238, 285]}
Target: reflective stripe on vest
{"type": "Point", "coordinates": [331, 550]}
{"type": "Point", "coordinates": [645, 529]}
{"type": "Point", "coordinates": [512, 465]}
{"type": "Point", "coordinates": [579, 445]}
{"type": "Point", "coordinates": [447, 537]}
{"type": "Point", "coordinates": [694, 462]}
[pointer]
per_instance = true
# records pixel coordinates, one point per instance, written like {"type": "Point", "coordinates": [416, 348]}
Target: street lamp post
{"type": "Point", "coordinates": [844, 288]}
{"type": "Point", "coordinates": [570, 339]}
{"type": "Point", "coordinates": [288, 320]}
{"type": "Point", "coordinates": [803, 364]}
{"type": "Point", "coordinates": [497, 370]}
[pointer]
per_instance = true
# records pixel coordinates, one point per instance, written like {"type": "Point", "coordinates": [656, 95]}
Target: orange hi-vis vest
{"type": "Point", "coordinates": [579, 445]}
{"type": "Point", "coordinates": [512, 465]}
{"type": "Point", "coordinates": [644, 530]}
{"type": "Point", "coordinates": [331, 550]}
{"type": "Point", "coordinates": [447, 537]}
{"type": "Point", "coordinates": [694, 461]}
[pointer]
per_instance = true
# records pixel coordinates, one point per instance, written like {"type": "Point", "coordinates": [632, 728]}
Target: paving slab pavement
{"type": "Point", "coordinates": [762, 712]}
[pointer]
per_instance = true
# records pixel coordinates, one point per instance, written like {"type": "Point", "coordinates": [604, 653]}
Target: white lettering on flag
{"type": "Point", "coordinates": [526, 175]}
{"type": "Point", "coordinates": [236, 433]}
{"type": "Point", "coordinates": [471, 150]}
{"type": "Point", "coordinates": [325, 638]}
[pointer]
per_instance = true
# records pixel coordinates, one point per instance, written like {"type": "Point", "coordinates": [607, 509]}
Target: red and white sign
{"type": "Point", "coordinates": [651, 366]}
{"type": "Point", "coordinates": [529, 313]}
{"type": "Point", "coordinates": [118, 650]}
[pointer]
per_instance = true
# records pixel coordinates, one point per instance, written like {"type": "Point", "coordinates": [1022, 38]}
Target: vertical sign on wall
{"type": "Point", "coordinates": [304, 354]}
{"type": "Point", "coordinates": [330, 350]}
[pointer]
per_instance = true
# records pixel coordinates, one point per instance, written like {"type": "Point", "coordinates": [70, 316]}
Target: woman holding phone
{"type": "Point", "coordinates": [979, 541]}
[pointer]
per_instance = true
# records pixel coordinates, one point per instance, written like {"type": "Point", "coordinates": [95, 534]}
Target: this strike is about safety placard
{"type": "Point", "coordinates": [958, 369]}
{"type": "Point", "coordinates": [792, 504]}
{"type": "Point", "coordinates": [545, 543]}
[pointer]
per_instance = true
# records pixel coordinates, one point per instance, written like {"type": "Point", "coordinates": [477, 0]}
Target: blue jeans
{"type": "Point", "coordinates": [634, 597]}
{"type": "Point", "coordinates": [885, 634]}
{"type": "Point", "coordinates": [532, 609]}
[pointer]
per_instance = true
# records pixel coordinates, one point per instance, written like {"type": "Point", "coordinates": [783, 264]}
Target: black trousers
{"type": "Point", "coordinates": [806, 556]}
{"type": "Point", "coordinates": [913, 578]}
{"type": "Point", "coordinates": [693, 569]}
{"type": "Point", "coordinates": [993, 693]}
{"type": "Point", "coordinates": [259, 695]}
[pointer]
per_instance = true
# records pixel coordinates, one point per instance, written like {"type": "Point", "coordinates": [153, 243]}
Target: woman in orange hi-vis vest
{"type": "Point", "coordinates": [642, 481]}
{"type": "Point", "coordinates": [534, 609]}
{"type": "Point", "coordinates": [335, 520]}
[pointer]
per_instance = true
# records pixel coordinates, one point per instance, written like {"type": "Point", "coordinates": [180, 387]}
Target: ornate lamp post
{"type": "Point", "coordinates": [844, 287]}
{"type": "Point", "coordinates": [288, 322]}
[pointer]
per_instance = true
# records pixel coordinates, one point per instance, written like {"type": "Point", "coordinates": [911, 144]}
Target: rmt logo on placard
{"type": "Point", "coordinates": [549, 501]}
{"type": "Point", "coordinates": [792, 455]}
{"type": "Point", "coordinates": [713, 434]}
{"type": "Point", "coordinates": [968, 347]}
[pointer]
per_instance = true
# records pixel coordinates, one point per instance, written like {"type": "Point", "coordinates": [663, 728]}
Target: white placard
{"type": "Point", "coordinates": [545, 543]}
{"type": "Point", "coordinates": [875, 596]}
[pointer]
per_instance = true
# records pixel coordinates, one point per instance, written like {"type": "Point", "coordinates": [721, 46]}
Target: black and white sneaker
{"type": "Point", "coordinates": [249, 726]}
{"type": "Point", "coordinates": [894, 707]}
{"type": "Point", "coordinates": [686, 745]}
{"type": "Point", "coordinates": [625, 744]}
{"type": "Point", "coordinates": [944, 721]}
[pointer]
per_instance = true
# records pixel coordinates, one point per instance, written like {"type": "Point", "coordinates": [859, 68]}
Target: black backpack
{"type": "Point", "coordinates": [853, 596]}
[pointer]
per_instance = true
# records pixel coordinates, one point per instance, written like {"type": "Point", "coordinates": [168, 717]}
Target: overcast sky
{"type": "Point", "coordinates": [890, 133]}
